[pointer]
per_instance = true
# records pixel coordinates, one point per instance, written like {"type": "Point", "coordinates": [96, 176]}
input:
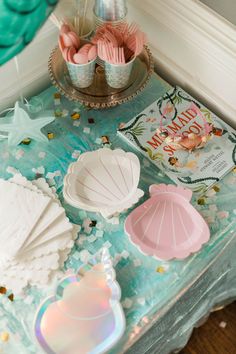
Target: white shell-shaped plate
{"type": "Point", "coordinates": [103, 181]}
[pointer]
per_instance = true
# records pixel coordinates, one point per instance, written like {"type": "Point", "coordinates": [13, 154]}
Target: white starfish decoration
{"type": "Point", "coordinates": [22, 127]}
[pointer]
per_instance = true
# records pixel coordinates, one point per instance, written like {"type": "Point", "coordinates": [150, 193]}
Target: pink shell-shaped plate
{"type": "Point", "coordinates": [167, 226]}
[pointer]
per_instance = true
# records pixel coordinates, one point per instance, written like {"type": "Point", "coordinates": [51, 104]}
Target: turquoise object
{"type": "Point", "coordinates": [163, 300]}
{"type": "Point", "coordinates": [19, 22]}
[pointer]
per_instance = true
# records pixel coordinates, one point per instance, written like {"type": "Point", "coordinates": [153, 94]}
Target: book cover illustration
{"type": "Point", "coordinates": [197, 168]}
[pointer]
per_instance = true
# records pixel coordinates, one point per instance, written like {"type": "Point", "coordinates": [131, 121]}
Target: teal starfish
{"type": "Point", "coordinates": [22, 127]}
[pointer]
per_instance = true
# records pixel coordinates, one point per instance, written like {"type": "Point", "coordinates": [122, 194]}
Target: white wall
{"type": "Point", "coordinates": [225, 8]}
{"type": "Point", "coordinates": [193, 48]}
{"type": "Point", "coordinates": [32, 66]}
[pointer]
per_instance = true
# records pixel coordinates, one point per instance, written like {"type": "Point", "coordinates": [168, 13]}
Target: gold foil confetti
{"type": "Point", "coordinates": [160, 270]}
{"type": "Point", "coordinates": [26, 141]}
{"type": "Point", "coordinates": [3, 290]}
{"type": "Point", "coordinates": [105, 139]}
{"type": "Point", "coordinates": [201, 201]}
{"type": "Point", "coordinates": [216, 188]}
{"type": "Point", "coordinates": [75, 115]}
{"type": "Point", "coordinates": [50, 135]}
{"type": "Point", "coordinates": [11, 297]}
{"type": "Point", "coordinates": [4, 336]}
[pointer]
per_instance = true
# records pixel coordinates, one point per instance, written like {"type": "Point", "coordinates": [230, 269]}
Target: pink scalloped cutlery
{"type": "Point", "coordinates": [167, 226]}
{"type": "Point", "coordinates": [119, 45]}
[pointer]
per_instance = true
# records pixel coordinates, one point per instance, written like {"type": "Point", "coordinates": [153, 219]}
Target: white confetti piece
{"type": "Point", "coordinates": [85, 256]}
{"type": "Point", "coordinates": [145, 319]}
{"type": "Point", "coordinates": [76, 256]}
{"type": "Point", "coordinates": [99, 225]}
{"type": "Point", "coordinates": [99, 233]}
{"type": "Point", "coordinates": [76, 154]}
{"type": "Point", "coordinates": [91, 239]}
{"type": "Point", "coordinates": [12, 170]}
{"type": "Point", "coordinates": [65, 113]}
{"type": "Point", "coordinates": [127, 303]}
{"type": "Point", "coordinates": [80, 241]}
{"type": "Point", "coordinates": [50, 175]}
{"type": "Point", "coordinates": [86, 130]}
{"type": "Point", "coordinates": [137, 262]}
{"type": "Point", "coordinates": [213, 207]}
{"type": "Point", "coordinates": [107, 244]}
{"type": "Point", "coordinates": [222, 324]}
{"type": "Point", "coordinates": [87, 228]}
{"type": "Point", "coordinates": [117, 259]}
{"type": "Point", "coordinates": [223, 214]}
{"type": "Point", "coordinates": [76, 123]}
{"type": "Point", "coordinates": [141, 301]}
{"type": "Point", "coordinates": [42, 154]}
{"type": "Point", "coordinates": [28, 300]}
{"type": "Point", "coordinates": [57, 101]}
{"type": "Point", "coordinates": [40, 170]}
{"type": "Point", "coordinates": [19, 154]}
{"type": "Point", "coordinates": [98, 141]}
{"type": "Point", "coordinates": [57, 173]}
{"type": "Point", "coordinates": [125, 254]}
{"type": "Point", "coordinates": [210, 193]}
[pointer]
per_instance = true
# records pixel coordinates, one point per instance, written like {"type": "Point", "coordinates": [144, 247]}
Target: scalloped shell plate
{"type": "Point", "coordinates": [167, 226]}
{"type": "Point", "coordinates": [85, 315]}
{"type": "Point", "coordinates": [103, 181]}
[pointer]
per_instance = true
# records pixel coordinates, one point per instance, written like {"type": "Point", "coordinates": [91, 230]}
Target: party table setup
{"type": "Point", "coordinates": [117, 193]}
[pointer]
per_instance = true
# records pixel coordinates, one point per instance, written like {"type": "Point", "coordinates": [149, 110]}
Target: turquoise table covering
{"type": "Point", "coordinates": [149, 287]}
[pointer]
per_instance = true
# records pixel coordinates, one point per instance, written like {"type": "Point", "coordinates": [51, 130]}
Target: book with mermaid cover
{"type": "Point", "coordinates": [190, 144]}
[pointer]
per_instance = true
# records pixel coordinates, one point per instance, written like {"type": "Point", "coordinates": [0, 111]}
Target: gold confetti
{"type": "Point", "coordinates": [201, 201]}
{"type": "Point", "coordinates": [26, 141]}
{"type": "Point", "coordinates": [4, 336]}
{"type": "Point", "coordinates": [58, 113]}
{"type": "Point", "coordinates": [3, 290]}
{"type": "Point", "coordinates": [105, 139]}
{"type": "Point", "coordinates": [75, 115]}
{"type": "Point", "coordinates": [11, 297]}
{"type": "Point", "coordinates": [50, 136]}
{"type": "Point", "coordinates": [160, 270]}
{"type": "Point", "coordinates": [57, 95]}
{"type": "Point", "coordinates": [234, 170]}
{"type": "Point", "coordinates": [216, 188]}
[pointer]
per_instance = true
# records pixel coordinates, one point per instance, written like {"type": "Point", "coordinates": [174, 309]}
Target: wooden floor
{"type": "Point", "coordinates": [211, 338]}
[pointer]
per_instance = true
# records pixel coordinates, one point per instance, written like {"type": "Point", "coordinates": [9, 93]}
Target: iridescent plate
{"type": "Point", "coordinates": [84, 316]}
{"type": "Point", "coordinates": [100, 94]}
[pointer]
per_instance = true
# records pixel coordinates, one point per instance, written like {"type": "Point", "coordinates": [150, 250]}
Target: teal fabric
{"type": "Point", "coordinates": [146, 293]}
{"type": "Point", "coordinates": [19, 22]}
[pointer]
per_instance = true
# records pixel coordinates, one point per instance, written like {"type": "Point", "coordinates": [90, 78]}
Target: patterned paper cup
{"type": "Point", "coordinates": [117, 76]}
{"type": "Point", "coordinates": [82, 74]}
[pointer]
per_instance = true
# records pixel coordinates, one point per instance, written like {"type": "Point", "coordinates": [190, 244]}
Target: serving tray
{"type": "Point", "coordinates": [100, 95]}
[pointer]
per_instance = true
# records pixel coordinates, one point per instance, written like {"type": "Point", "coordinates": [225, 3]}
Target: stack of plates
{"type": "Point", "coordinates": [36, 235]}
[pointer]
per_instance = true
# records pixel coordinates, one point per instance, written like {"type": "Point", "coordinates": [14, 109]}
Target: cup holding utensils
{"type": "Point", "coordinates": [118, 48]}
{"type": "Point", "coordinates": [80, 57]}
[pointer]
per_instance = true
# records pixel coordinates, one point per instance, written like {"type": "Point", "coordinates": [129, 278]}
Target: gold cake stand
{"type": "Point", "coordinates": [99, 94]}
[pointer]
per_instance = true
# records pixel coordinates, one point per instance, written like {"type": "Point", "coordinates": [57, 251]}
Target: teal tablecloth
{"type": "Point", "coordinates": [146, 292]}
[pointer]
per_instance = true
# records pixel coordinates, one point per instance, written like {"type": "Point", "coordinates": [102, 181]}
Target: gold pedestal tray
{"type": "Point", "coordinates": [99, 94]}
